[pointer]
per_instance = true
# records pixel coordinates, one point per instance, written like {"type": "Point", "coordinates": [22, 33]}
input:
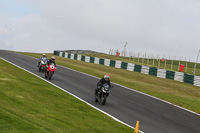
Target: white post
{"type": "Point", "coordinates": [172, 65]}
{"type": "Point", "coordinates": [142, 58]}
{"type": "Point", "coordinates": [159, 62]}
{"type": "Point", "coordinates": [153, 60]}
{"type": "Point", "coordinates": [125, 49]}
{"type": "Point", "coordinates": [131, 54]}
{"type": "Point", "coordinates": [186, 67]}
{"type": "Point", "coordinates": [109, 52]}
{"type": "Point", "coordinates": [138, 57]}
{"type": "Point", "coordinates": [194, 68]}
{"type": "Point", "coordinates": [157, 57]}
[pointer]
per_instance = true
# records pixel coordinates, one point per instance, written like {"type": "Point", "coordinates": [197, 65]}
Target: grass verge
{"type": "Point", "coordinates": [182, 94]}
{"type": "Point", "coordinates": [29, 104]}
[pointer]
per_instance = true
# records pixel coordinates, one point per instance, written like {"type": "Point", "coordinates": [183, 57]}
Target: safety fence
{"type": "Point", "coordinates": [161, 73]}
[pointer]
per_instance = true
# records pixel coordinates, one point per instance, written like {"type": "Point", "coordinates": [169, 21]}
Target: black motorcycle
{"type": "Point", "coordinates": [102, 94]}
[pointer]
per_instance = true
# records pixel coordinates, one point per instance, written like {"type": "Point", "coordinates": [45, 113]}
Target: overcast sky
{"type": "Point", "coordinates": [164, 27]}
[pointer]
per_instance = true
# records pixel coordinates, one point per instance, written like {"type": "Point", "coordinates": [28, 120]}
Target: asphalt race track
{"type": "Point", "coordinates": [128, 106]}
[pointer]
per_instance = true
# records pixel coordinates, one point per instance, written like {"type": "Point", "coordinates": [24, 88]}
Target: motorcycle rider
{"type": "Point", "coordinates": [52, 60]}
{"type": "Point", "coordinates": [105, 79]}
{"type": "Point", "coordinates": [41, 58]}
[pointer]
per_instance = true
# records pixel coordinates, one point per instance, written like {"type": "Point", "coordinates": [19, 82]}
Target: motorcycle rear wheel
{"type": "Point", "coordinates": [45, 75]}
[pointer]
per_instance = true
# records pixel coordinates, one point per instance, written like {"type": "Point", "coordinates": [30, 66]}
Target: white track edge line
{"type": "Point", "coordinates": [114, 118]}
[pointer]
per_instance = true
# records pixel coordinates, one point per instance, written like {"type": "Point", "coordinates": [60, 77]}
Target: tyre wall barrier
{"type": "Point", "coordinates": [161, 73]}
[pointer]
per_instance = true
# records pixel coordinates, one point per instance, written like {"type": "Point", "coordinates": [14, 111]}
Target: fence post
{"type": "Point", "coordinates": [142, 58]}
{"type": "Point", "coordinates": [194, 68]}
{"type": "Point", "coordinates": [179, 64]}
{"type": "Point", "coordinates": [109, 52]}
{"type": "Point", "coordinates": [186, 67]}
{"type": "Point", "coordinates": [153, 60]}
{"type": "Point", "coordinates": [172, 65]}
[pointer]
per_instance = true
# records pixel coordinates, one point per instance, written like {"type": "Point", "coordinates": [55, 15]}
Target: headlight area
{"type": "Point", "coordinates": [104, 90]}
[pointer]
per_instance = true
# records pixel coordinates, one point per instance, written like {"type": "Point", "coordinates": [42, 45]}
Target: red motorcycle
{"type": "Point", "coordinates": [50, 71]}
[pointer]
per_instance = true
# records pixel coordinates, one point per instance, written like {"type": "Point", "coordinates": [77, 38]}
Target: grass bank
{"type": "Point", "coordinates": [182, 94]}
{"type": "Point", "coordinates": [31, 105]}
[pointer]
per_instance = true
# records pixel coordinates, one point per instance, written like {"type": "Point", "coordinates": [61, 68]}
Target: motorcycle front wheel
{"type": "Point", "coordinates": [39, 68]}
{"type": "Point", "coordinates": [50, 74]}
{"type": "Point", "coordinates": [42, 69]}
{"type": "Point", "coordinates": [95, 97]}
{"type": "Point", "coordinates": [103, 99]}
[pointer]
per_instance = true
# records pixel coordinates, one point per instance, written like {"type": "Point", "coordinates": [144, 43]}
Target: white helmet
{"type": "Point", "coordinates": [106, 77]}
{"type": "Point", "coordinates": [43, 54]}
{"type": "Point", "coordinates": [52, 58]}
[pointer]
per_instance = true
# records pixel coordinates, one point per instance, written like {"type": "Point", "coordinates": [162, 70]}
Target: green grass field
{"type": "Point", "coordinates": [30, 105]}
{"type": "Point", "coordinates": [182, 94]}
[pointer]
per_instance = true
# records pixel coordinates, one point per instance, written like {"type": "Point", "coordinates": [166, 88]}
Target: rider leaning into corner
{"type": "Point", "coordinates": [104, 80]}
{"type": "Point", "coordinates": [41, 58]}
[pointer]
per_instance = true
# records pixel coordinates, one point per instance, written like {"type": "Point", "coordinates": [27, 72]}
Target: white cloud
{"type": "Point", "coordinates": [156, 26]}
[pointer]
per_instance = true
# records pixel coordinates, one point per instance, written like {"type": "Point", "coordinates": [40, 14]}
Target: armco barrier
{"type": "Point", "coordinates": [161, 73]}
{"type": "Point", "coordinates": [153, 71]}
{"type": "Point", "coordinates": [170, 74]}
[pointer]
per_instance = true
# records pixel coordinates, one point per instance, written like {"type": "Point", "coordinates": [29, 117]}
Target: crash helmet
{"type": "Point", "coordinates": [43, 54]}
{"type": "Point", "coordinates": [52, 58]}
{"type": "Point", "coordinates": [106, 77]}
